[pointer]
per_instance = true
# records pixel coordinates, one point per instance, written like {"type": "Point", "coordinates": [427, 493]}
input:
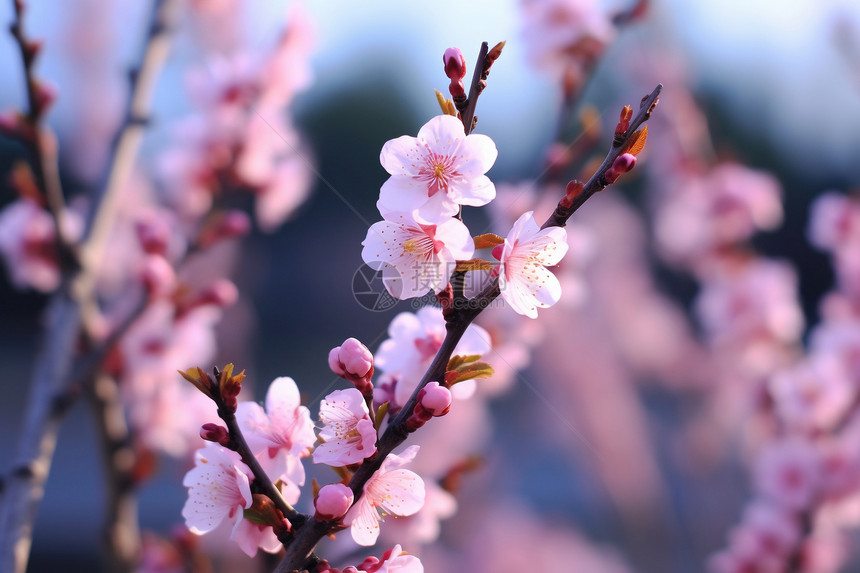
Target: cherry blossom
{"type": "Point", "coordinates": [815, 394]}
{"type": "Point", "coordinates": [333, 501]}
{"type": "Point", "coordinates": [395, 560]}
{"type": "Point", "coordinates": [348, 435]}
{"type": "Point", "coordinates": [415, 255]}
{"type": "Point", "coordinates": [788, 473]}
{"type": "Point", "coordinates": [279, 435]}
{"type": "Point", "coordinates": [218, 489]}
{"type": "Point", "coordinates": [724, 206]}
{"type": "Point", "coordinates": [251, 536]}
{"type": "Point", "coordinates": [524, 281]}
{"type": "Point", "coordinates": [414, 341]}
{"type": "Point", "coordinates": [565, 33]}
{"type": "Point", "coordinates": [28, 244]}
{"type": "Point", "coordinates": [392, 490]}
{"type": "Point", "coordinates": [437, 171]}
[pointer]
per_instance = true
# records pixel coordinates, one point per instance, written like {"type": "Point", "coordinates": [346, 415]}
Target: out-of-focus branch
{"type": "Point", "coordinates": [124, 150]}
{"type": "Point", "coordinates": [40, 141]}
{"type": "Point", "coordinates": [49, 393]}
{"type": "Point", "coordinates": [121, 533]}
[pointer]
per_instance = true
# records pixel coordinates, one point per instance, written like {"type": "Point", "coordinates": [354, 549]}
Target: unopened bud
{"type": "Point", "coordinates": [623, 163]}
{"type": "Point", "coordinates": [333, 501]}
{"type": "Point", "coordinates": [153, 233]}
{"type": "Point", "coordinates": [573, 189]}
{"type": "Point", "coordinates": [435, 399]}
{"type": "Point", "coordinates": [221, 293]}
{"type": "Point", "coordinates": [228, 225]}
{"type": "Point", "coordinates": [157, 276]}
{"type": "Point", "coordinates": [215, 433]}
{"type": "Point", "coordinates": [455, 64]}
{"type": "Point", "coordinates": [352, 360]}
{"type": "Point", "coordinates": [46, 95]}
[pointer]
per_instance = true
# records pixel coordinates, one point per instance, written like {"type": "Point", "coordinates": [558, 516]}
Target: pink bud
{"type": "Point", "coordinates": [334, 361]}
{"type": "Point", "coordinates": [153, 234]}
{"type": "Point", "coordinates": [215, 433]}
{"type": "Point", "coordinates": [455, 64]}
{"type": "Point", "coordinates": [236, 224]}
{"type": "Point", "coordinates": [46, 95]}
{"type": "Point", "coordinates": [158, 276]}
{"type": "Point", "coordinates": [497, 251]}
{"type": "Point", "coordinates": [436, 399]}
{"type": "Point", "coordinates": [221, 293]}
{"type": "Point", "coordinates": [333, 501]}
{"type": "Point", "coordinates": [623, 163]}
{"type": "Point", "coordinates": [355, 357]}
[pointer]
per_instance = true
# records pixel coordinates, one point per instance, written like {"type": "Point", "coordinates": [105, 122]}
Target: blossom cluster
{"type": "Point", "coordinates": [422, 238]}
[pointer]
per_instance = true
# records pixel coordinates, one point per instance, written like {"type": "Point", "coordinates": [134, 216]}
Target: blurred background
{"type": "Point", "coordinates": [777, 82]}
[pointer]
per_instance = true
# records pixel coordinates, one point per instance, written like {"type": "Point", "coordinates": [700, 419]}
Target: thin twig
{"type": "Point", "coordinates": [41, 143]}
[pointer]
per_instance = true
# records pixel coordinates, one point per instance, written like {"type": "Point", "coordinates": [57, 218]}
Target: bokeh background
{"type": "Point", "coordinates": [780, 85]}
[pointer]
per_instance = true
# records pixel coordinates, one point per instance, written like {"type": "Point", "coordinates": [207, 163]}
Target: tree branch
{"type": "Point", "coordinates": [49, 395]}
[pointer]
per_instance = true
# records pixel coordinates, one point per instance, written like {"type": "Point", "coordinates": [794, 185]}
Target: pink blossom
{"type": "Point", "coordinates": [392, 490]}
{"type": "Point", "coordinates": [561, 34]}
{"type": "Point", "coordinates": [414, 341]}
{"type": "Point", "coordinates": [251, 536]}
{"type": "Point", "coordinates": [788, 473]}
{"type": "Point", "coordinates": [279, 435]}
{"type": "Point", "coordinates": [395, 560]}
{"type": "Point", "coordinates": [435, 398]}
{"type": "Point", "coordinates": [757, 300]}
{"type": "Point", "coordinates": [348, 435]}
{"type": "Point", "coordinates": [218, 489]}
{"type": "Point", "coordinates": [28, 244]}
{"type": "Point", "coordinates": [814, 395]}
{"type": "Point", "coordinates": [437, 171]}
{"type": "Point", "coordinates": [166, 411]}
{"type": "Point", "coordinates": [333, 501]}
{"type": "Point", "coordinates": [524, 281]}
{"type": "Point", "coordinates": [834, 222]}
{"type": "Point", "coordinates": [351, 357]}
{"type": "Point", "coordinates": [765, 539]}
{"type": "Point", "coordinates": [725, 206]}
{"type": "Point", "coordinates": [414, 255]}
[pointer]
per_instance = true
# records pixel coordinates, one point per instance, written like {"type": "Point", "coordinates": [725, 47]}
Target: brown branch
{"type": "Point", "coordinates": [475, 88]}
{"type": "Point", "coordinates": [41, 143]}
{"type": "Point", "coordinates": [49, 391]}
{"type": "Point", "coordinates": [121, 533]}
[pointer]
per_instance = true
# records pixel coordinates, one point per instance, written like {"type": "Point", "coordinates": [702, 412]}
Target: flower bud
{"type": "Point", "coordinates": [455, 64]}
{"type": "Point", "coordinates": [215, 433]}
{"type": "Point", "coordinates": [158, 276]}
{"type": "Point", "coordinates": [623, 163]}
{"type": "Point", "coordinates": [333, 501]}
{"type": "Point", "coordinates": [435, 399]}
{"type": "Point", "coordinates": [353, 361]}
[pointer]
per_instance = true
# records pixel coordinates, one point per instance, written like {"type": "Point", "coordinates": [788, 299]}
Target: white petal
{"type": "Point", "coordinates": [477, 155]}
{"type": "Point", "coordinates": [403, 194]}
{"type": "Point", "coordinates": [399, 492]}
{"type": "Point", "coordinates": [473, 191]}
{"type": "Point", "coordinates": [363, 521]}
{"type": "Point", "coordinates": [443, 134]}
{"type": "Point", "coordinates": [457, 239]}
{"type": "Point", "coordinates": [401, 155]}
